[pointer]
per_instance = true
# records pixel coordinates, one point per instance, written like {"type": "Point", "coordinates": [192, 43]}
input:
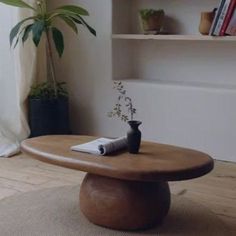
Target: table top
{"type": "Point", "coordinates": [155, 162]}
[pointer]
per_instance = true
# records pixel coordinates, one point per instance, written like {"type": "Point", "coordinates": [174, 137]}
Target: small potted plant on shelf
{"type": "Point", "coordinates": [152, 20]}
{"type": "Point", "coordinates": [125, 110]}
{"type": "Point", "coordinates": [48, 101]}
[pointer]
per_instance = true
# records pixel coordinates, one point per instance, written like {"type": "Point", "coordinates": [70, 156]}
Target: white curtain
{"type": "Point", "coordinates": [17, 72]}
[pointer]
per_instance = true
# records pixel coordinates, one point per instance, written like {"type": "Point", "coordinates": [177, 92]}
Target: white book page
{"type": "Point", "coordinates": [92, 147]}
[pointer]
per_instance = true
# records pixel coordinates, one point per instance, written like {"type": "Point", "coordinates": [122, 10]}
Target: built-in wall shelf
{"type": "Point", "coordinates": [173, 37]}
{"type": "Point", "coordinates": [215, 86]}
{"type": "Point", "coordinates": [182, 56]}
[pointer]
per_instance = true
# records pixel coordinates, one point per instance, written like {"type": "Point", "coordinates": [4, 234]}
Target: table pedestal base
{"type": "Point", "coordinates": [124, 205]}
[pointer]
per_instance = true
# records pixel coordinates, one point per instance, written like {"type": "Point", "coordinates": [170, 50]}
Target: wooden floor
{"type": "Point", "coordinates": [216, 191]}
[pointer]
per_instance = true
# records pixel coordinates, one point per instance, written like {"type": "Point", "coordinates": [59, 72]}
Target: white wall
{"type": "Point", "coordinates": [198, 117]}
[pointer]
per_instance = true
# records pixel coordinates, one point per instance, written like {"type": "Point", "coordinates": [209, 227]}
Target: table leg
{"type": "Point", "coordinates": [124, 205]}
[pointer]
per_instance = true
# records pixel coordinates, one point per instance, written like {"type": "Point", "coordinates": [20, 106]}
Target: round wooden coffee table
{"type": "Point", "coordinates": [123, 191]}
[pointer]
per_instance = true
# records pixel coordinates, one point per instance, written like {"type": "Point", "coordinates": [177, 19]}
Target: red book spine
{"type": "Point", "coordinates": [228, 17]}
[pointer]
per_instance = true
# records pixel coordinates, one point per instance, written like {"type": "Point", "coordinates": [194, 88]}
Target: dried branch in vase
{"type": "Point", "coordinates": [123, 108]}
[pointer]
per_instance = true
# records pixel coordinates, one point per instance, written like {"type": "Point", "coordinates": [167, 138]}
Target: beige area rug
{"type": "Point", "coordinates": [55, 212]}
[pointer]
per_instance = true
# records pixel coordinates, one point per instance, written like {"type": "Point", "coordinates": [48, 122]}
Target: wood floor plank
{"type": "Point", "coordinates": [7, 192]}
{"type": "Point", "coordinates": [73, 177]}
{"type": "Point", "coordinates": [31, 178]}
{"type": "Point", "coordinates": [16, 185]}
{"type": "Point", "coordinates": [216, 191]}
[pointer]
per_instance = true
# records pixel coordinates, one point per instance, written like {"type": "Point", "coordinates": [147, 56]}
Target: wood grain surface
{"type": "Point", "coordinates": [124, 205]}
{"type": "Point", "coordinates": [155, 162]}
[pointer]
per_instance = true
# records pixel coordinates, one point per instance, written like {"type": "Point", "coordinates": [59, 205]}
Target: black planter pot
{"type": "Point", "coordinates": [134, 136]}
{"type": "Point", "coordinates": [49, 116]}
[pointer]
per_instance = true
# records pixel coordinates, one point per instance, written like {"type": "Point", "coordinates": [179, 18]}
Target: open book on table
{"type": "Point", "coordinates": [101, 146]}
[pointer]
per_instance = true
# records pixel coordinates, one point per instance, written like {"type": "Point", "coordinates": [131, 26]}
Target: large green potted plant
{"type": "Point", "coordinates": [48, 101]}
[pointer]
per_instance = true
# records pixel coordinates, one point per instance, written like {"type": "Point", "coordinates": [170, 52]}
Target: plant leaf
{"type": "Point", "coordinates": [27, 31]}
{"type": "Point", "coordinates": [91, 30]}
{"type": "Point", "coordinates": [60, 12]}
{"type": "Point", "coordinates": [77, 21]}
{"type": "Point", "coordinates": [74, 9]}
{"type": "Point", "coordinates": [37, 29]}
{"type": "Point", "coordinates": [18, 38]}
{"type": "Point", "coordinates": [16, 28]}
{"type": "Point", "coordinates": [58, 40]}
{"type": "Point", "coordinates": [17, 3]}
{"type": "Point", "coordinates": [57, 13]}
{"type": "Point", "coordinates": [70, 23]}
{"type": "Point", "coordinates": [17, 41]}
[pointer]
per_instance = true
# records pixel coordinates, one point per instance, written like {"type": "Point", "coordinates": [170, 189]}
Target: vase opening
{"type": "Point", "coordinates": [134, 122]}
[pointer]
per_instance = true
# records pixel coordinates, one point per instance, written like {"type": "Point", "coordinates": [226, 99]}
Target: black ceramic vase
{"type": "Point", "coordinates": [134, 136]}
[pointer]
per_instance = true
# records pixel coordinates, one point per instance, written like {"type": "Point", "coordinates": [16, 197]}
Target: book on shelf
{"type": "Point", "coordinates": [228, 16]}
{"type": "Point", "coordinates": [221, 17]}
{"type": "Point", "coordinates": [224, 21]}
{"type": "Point", "coordinates": [231, 28]}
{"type": "Point", "coordinates": [214, 23]}
{"type": "Point", "coordinates": [101, 146]}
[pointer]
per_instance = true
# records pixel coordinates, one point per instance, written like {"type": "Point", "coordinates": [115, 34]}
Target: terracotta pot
{"type": "Point", "coordinates": [206, 22]}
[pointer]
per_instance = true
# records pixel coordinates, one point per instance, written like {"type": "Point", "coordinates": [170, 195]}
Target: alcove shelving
{"type": "Point", "coordinates": [146, 57]}
{"type": "Point", "coordinates": [182, 18]}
